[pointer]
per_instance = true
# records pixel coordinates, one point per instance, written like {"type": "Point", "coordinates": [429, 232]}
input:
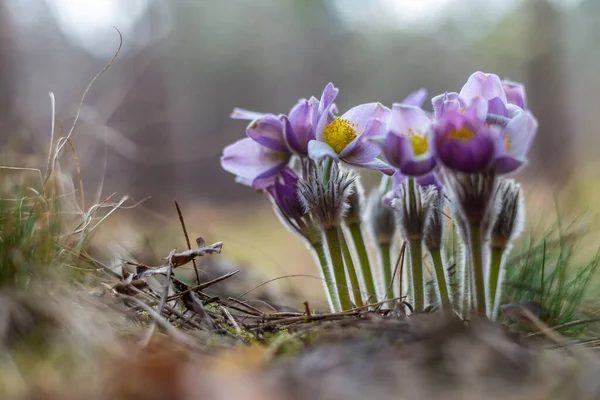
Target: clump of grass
{"type": "Point", "coordinates": [545, 271]}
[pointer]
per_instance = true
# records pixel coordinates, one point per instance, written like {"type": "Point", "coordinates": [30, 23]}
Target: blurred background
{"type": "Point", "coordinates": [155, 123]}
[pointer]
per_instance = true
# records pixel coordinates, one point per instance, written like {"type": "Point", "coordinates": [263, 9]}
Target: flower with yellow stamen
{"type": "Point", "coordinates": [339, 133]}
{"type": "Point", "coordinates": [405, 141]}
{"type": "Point", "coordinates": [342, 138]}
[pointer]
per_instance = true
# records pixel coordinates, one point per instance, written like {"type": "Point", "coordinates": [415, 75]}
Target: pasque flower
{"type": "Point", "coordinates": [341, 138]}
{"type": "Point", "coordinates": [406, 140]}
{"type": "Point", "coordinates": [499, 107]}
{"type": "Point", "coordinates": [260, 158]}
{"type": "Point", "coordinates": [284, 192]}
{"type": "Point", "coordinates": [404, 136]}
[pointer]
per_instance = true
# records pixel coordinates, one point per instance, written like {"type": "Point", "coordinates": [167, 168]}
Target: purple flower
{"type": "Point", "coordinates": [258, 159]}
{"type": "Point", "coordinates": [285, 195]}
{"type": "Point", "coordinates": [500, 106]}
{"type": "Point", "coordinates": [463, 142]}
{"type": "Point", "coordinates": [406, 143]}
{"type": "Point", "coordinates": [300, 123]}
{"type": "Point", "coordinates": [341, 138]}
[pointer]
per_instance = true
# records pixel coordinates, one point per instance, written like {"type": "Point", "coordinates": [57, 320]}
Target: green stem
{"type": "Point", "coordinates": [476, 243]}
{"type": "Point", "coordinates": [332, 239]}
{"type": "Point", "coordinates": [386, 265]}
{"type": "Point", "coordinates": [334, 301]}
{"type": "Point", "coordinates": [416, 258]}
{"type": "Point", "coordinates": [495, 267]}
{"type": "Point", "coordinates": [349, 262]}
{"type": "Point", "coordinates": [438, 265]}
{"type": "Point", "coordinates": [358, 238]}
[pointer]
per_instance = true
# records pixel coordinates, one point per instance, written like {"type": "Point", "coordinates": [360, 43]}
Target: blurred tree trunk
{"type": "Point", "coordinates": [553, 150]}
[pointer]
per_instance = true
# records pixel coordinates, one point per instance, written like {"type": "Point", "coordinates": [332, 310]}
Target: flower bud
{"type": "Point", "coordinates": [412, 207]}
{"type": "Point", "coordinates": [434, 226]}
{"type": "Point", "coordinates": [324, 193]}
{"type": "Point", "coordinates": [284, 194]}
{"type": "Point", "coordinates": [355, 201]}
{"type": "Point", "coordinates": [381, 218]}
{"type": "Point", "coordinates": [509, 220]}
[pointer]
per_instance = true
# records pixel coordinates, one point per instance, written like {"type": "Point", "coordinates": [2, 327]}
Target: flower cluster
{"type": "Point", "coordinates": [461, 152]}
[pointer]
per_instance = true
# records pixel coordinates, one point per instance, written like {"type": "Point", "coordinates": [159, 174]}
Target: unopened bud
{"type": "Point", "coordinates": [508, 223]}
{"type": "Point", "coordinates": [381, 218]}
{"type": "Point", "coordinates": [324, 193]}
{"type": "Point", "coordinates": [434, 226]}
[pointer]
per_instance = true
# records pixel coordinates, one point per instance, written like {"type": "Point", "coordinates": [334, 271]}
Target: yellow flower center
{"type": "Point", "coordinates": [418, 142]}
{"type": "Point", "coordinates": [464, 134]}
{"type": "Point", "coordinates": [506, 142]}
{"type": "Point", "coordinates": [339, 134]}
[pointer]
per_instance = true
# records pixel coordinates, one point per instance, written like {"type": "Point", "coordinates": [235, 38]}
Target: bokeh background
{"type": "Point", "coordinates": [155, 122]}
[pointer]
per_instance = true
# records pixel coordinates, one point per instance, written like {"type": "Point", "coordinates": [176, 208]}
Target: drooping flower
{"type": "Point", "coordinates": [341, 138]}
{"type": "Point", "coordinates": [285, 196]}
{"type": "Point", "coordinates": [500, 106]}
{"type": "Point", "coordinates": [258, 159]}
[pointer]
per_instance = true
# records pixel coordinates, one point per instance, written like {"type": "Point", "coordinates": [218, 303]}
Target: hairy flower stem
{"type": "Point", "coordinates": [350, 268]}
{"type": "Point", "coordinates": [416, 253]}
{"type": "Point", "coordinates": [386, 264]}
{"type": "Point", "coordinates": [334, 301]}
{"type": "Point", "coordinates": [475, 241]}
{"type": "Point", "coordinates": [416, 258]}
{"type": "Point", "coordinates": [438, 266]}
{"type": "Point", "coordinates": [333, 243]}
{"type": "Point", "coordinates": [497, 253]}
{"type": "Point", "coordinates": [358, 238]}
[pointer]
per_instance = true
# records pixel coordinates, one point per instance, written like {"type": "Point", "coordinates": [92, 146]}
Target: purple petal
{"type": "Point", "coordinates": [360, 150]}
{"type": "Point", "coordinates": [290, 137]}
{"type": "Point", "coordinates": [429, 180]}
{"type": "Point", "coordinates": [397, 150]}
{"type": "Point", "coordinates": [419, 167]}
{"type": "Point", "coordinates": [268, 131]}
{"type": "Point", "coordinates": [324, 120]}
{"type": "Point", "coordinates": [375, 128]}
{"type": "Point", "coordinates": [241, 113]}
{"type": "Point", "coordinates": [477, 109]}
{"type": "Point", "coordinates": [399, 153]}
{"type": "Point", "coordinates": [250, 161]}
{"type": "Point", "coordinates": [470, 156]}
{"type": "Point", "coordinates": [268, 177]}
{"type": "Point", "coordinates": [405, 119]}
{"type": "Point", "coordinates": [506, 165]}
{"type": "Point", "coordinates": [519, 133]}
{"type": "Point", "coordinates": [515, 93]}
{"type": "Point", "coordinates": [375, 164]}
{"type": "Point", "coordinates": [314, 105]}
{"type": "Point", "coordinates": [496, 106]}
{"type": "Point", "coordinates": [298, 127]}
{"type": "Point", "coordinates": [483, 85]}
{"type": "Point", "coordinates": [416, 98]}
{"type": "Point", "coordinates": [397, 179]}
{"type": "Point", "coordinates": [319, 151]}
{"type": "Point", "coordinates": [363, 113]}
{"type": "Point", "coordinates": [329, 94]}
{"type": "Point", "coordinates": [447, 102]}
